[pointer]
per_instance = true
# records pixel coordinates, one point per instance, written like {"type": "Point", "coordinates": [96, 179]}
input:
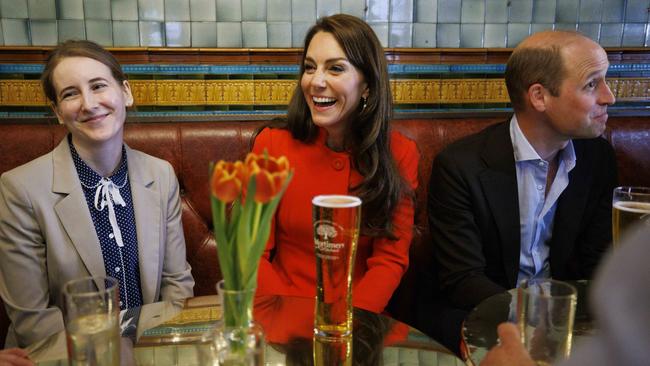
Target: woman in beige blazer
{"type": "Point", "coordinates": [90, 207]}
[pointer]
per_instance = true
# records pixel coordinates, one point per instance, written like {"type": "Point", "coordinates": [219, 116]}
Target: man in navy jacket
{"type": "Point", "coordinates": [529, 197]}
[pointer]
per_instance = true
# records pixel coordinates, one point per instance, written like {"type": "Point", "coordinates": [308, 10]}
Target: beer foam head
{"type": "Point", "coordinates": [632, 206]}
{"type": "Point", "coordinates": [336, 201]}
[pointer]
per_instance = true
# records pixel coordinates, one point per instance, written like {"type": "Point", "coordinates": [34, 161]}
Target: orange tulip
{"type": "Point", "coordinates": [242, 228]}
{"type": "Point", "coordinates": [270, 174]}
{"type": "Point", "coordinates": [227, 180]}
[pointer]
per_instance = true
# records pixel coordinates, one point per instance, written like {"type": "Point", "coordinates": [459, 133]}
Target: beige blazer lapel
{"type": "Point", "coordinates": [73, 212]}
{"type": "Point", "coordinates": [146, 206]}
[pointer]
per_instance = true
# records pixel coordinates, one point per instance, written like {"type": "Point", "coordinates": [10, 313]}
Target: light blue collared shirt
{"type": "Point", "coordinates": [536, 211]}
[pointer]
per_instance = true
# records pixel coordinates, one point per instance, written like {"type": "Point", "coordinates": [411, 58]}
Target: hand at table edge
{"type": "Point", "coordinates": [14, 357]}
{"type": "Point", "coordinates": [510, 351]}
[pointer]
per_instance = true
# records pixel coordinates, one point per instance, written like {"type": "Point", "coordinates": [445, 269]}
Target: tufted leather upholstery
{"type": "Point", "coordinates": [190, 146]}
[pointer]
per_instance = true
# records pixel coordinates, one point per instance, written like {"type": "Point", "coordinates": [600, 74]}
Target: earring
{"type": "Point", "coordinates": [365, 103]}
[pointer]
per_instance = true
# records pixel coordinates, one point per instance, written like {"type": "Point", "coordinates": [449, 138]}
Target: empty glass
{"type": "Point", "coordinates": [545, 313]}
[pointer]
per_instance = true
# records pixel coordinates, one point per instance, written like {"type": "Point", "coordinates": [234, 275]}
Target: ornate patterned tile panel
{"type": "Point", "coordinates": [424, 91]}
{"type": "Point", "coordinates": [230, 92]}
{"type": "Point", "coordinates": [274, 92]}
{"type": "Point", "coordinates": [449, 91]}
{"type": "Point", "coordinates": [144, 92]}
{"type": "Point", "coordinates": [631, 89]}
{"type": "Point", "coordinates": [21, 93]}
{"type": "Point", "coordinates": [180, 92]}
{"type": "Point", "coordinates": [495, 91]}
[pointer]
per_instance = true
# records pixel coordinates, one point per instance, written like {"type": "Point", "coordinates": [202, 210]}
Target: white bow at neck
{"type": "Point", "coordinates": [108, 194]}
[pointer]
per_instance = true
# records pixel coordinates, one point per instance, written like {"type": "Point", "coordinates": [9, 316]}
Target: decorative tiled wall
{"type": "Point", "coordinates": [201, 88]}
{"type": "Point", "coordinates": [283, 23]}
{"type": "Point", "coordinates": [264, 92]}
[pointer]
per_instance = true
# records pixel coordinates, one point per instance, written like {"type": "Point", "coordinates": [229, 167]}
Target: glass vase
{"type": "Point", "coordinates": [237, 306]}
{"type": "Point", "coordinates": [237, 340]}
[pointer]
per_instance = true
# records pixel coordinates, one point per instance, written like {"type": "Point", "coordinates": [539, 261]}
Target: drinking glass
{"type": "Point", "coordinates": [331, 351]}
{"type": "Point", "coordinates": [92, 321]}
{"type": "Point", "coordinates": [545, 313]}
{"type": "Point", "coordinates": [629, 205]}
{"type": "Point", "coordinates": [336, 220]}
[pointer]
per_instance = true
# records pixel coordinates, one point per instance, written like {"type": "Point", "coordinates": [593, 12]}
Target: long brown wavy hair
{"type": "Point", "coordinates": [367, 137]}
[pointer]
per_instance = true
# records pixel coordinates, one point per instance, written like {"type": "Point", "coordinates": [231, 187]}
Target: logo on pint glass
{"type": "Point", "coordinates": [326, 231]}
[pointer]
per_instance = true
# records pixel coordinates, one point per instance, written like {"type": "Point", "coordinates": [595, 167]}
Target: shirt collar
{"type": "Point", "coordinates": [89, 176]}
{"type": "Point", "coordinates": [522, 148]}
{"type": "Point", "coordinates": [524, 151]}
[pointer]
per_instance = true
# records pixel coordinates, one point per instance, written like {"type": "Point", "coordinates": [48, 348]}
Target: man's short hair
{"type": "Point", "coordinates": [530, 65]}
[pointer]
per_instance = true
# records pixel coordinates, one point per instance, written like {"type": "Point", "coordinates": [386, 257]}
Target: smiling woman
{"type": "Point", "coordinates": [338, 139]}
{"type": "Point", "coordinates": [332, 87]}
{"type": "Point", "coordinates": [92, 105]}
{"type": "Point", "coordinates": [89, 93]}
{"type": "Point", "coordinates": [89, 207]}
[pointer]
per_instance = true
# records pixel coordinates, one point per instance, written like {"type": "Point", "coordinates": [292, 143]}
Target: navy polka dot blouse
{"type": "Point", "coordinates": [118, 239]}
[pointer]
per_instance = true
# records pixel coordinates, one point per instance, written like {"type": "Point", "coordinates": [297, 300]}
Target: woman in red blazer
{"type": "Point", "coordinates": [338, 140]}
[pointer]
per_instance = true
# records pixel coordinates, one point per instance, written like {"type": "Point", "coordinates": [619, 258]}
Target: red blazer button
{"type": "Point", "coordinates": [338, 164]}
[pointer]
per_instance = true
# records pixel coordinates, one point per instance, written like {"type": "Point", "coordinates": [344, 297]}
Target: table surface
{"type": "Point", "coordinates": [170, 333]}
{"type": "Point", "coordinates": [479, 332]}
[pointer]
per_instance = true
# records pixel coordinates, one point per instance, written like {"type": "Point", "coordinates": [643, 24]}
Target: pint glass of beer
{"type": "Point", "coordinates": [336, 220]}
{"type": "Point", "coordinates": [330, 351]}
{"type": "Point", "coordinates": [629, 205]}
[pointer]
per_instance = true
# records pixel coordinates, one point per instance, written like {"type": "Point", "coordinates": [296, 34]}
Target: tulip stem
{"type": "Point", "coordinates": [222, 216]}
{"type": "Point", "coordinates": [256, 220]}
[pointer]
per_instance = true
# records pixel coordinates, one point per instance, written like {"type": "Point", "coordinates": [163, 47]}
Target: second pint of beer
{"type": "Point", "coordinates": [630, 205]}
{"type": "Point", "coordinates": [336, 220]}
